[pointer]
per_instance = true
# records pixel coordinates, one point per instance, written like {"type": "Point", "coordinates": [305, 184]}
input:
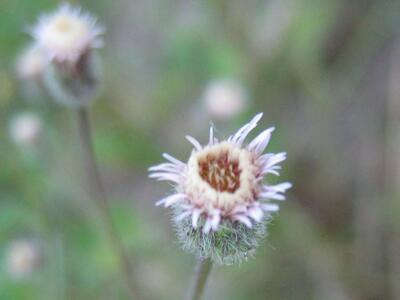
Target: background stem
{"type": "Point", "coordinates": [202, 271]}
{"type": "Point", "coordinates": [100, 199]}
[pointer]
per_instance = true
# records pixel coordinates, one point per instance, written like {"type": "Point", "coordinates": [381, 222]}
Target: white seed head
{"type": "Point", "coordinates": [67, 33]}
{"type": "Point", "coordinates": [22, 258]}
{"type": "Point", "coordinates": [31, 63]}
{"type": "Point", "coordinates": [220, 193]}
{"type": "Point", "coordinates": [25, 129]}
{"type": "Point", "coordinates": [224, 99]}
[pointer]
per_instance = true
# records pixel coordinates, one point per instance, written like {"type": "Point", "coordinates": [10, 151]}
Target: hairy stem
{"type": "Point", "coordinates": [201, 274]}
{"type": "Point", "coordinates": [100, 199]}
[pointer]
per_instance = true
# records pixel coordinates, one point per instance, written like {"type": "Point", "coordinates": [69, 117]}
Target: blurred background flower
{"type": "Point", "coordinates": [325, 73]}
{"type": "Point", "coordinates": [22, 258]}
{"type": "Point", "coordinates": [25, 129]}
{"type": "Point", "coordinates": [224, 99]}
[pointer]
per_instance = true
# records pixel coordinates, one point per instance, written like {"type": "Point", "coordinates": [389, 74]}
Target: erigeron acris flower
{"type": "Point", "coordinates": [221, 188]}
{"type": "Point", "coordinates": [67, 33]}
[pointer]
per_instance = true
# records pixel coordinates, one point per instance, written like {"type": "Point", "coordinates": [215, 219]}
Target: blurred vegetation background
{"type": "Point", "coordinates": [325, 73]}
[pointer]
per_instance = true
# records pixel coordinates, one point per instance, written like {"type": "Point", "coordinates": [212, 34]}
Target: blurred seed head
{"type": "Point", "coordinates": [31, 63]}
{"type": "Point", "coordinates": [23, 257]}
{"type": "Point", "coordinates": [67, 34]}
{"type": "Point", "coordinates": [67, 38]}
{"type": "Point", "coordinates": [25, 129]}
{"type": "Point", "coordinates": [221, 204]}
{"type": "Point", "coordinates": [225, 99]}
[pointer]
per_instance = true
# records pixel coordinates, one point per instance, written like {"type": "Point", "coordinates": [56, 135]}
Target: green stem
{"type": "Point", "coordinates": [100, 199]}
{"type": "Point", "coordinates": [201, 274]}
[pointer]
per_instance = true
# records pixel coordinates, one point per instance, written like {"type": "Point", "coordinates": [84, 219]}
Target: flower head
{"type": "Point", "coordinates": [68, 33]}
{"type": "Point", "coordinates": [221, 187]}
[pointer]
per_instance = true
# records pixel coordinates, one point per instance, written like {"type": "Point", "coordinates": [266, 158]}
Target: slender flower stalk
{"type": "Point", "coordinates": [67, 38]}
{"type": "Point", "coordinates": [100, 198]}
{"type": "Point", "coordinates": [201, 275]}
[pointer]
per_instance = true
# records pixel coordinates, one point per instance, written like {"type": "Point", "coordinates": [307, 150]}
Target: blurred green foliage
{"type": "Point", "coordinates": [319, 70]}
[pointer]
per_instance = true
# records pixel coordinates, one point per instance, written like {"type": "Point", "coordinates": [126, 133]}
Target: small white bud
{"type": "Point", "coordinates": [22, 258]}
{"type": "Point", "coordinates": [224, 99]}
{"type": "Point", "coordinates": [25, 129]}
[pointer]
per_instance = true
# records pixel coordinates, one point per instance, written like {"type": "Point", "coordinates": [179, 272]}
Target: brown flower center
{"type": "Point", "coordinates": [220, 172]}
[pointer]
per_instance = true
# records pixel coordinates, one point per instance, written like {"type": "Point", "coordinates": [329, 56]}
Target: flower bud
{"type": "Point", "coordinates": [68, 37]}
{"type": "Point", "coordinates": [224, 99]}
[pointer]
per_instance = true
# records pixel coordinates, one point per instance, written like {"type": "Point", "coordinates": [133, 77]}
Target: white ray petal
{"type": "Point", "coordinates": [173, 159]}
{"type": "Point", "coordinates": [243, 219]}
{"type": "Point", "coordinates": [272, 195]}
{"type": "Point", "coordinates": [215, 220]}
{"type": "Point", "coordinates": [264, 158]}
{"type": "Point", "coordinates": [166, 176]}
{"type": "Point", "coordinates": [239, 209]}
{"type": "Point", "coordinates": [168, 201]}
{"type": "Point", "coordinates": [242, 133]}
{"type": "Point", "coordinates": [281, 187]}
{"type": "Point", "coordinates": [194, 142]}
{"type": "Point", "coordinates": [271, 171]}
{"type": "Point", "coordinates": [261, 141]}
{"type": "Point", "coordinates": [195, 217]}
{"type": "Point", "coordinates": [211, 139]}
{"type": "Point", "coordinates": [183, 215]}
{"type": "Point", "coordinates": [256, 213]}
{"type": "Point", "coordinates": [275, 159]}
{"type": "Point", "coordinates": [167, 167]}
{"type": "Point", "coordinates": [270, 207]}
{"type": "Point", "coordinates": [207, 226]}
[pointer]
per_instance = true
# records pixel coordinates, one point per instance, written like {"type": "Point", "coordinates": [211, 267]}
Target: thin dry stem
{"type": "Point", "coordinates": [100, 199]}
